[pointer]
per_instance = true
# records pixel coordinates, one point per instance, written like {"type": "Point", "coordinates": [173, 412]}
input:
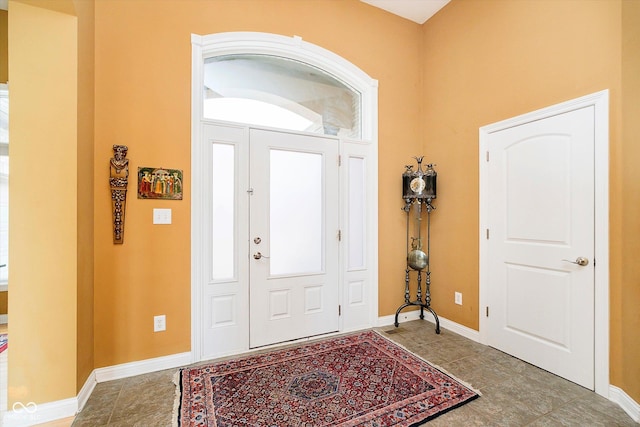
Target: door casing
{"type": "Point", "coordinates": [600, 102]}
{"type": "Point", "coordinates": [356, 313]}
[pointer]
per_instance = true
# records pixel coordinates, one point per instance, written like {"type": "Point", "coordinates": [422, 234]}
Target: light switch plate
{"type": "Point", "coordinates": [162, 216]}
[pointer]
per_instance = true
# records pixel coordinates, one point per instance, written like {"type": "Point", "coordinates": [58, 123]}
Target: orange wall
{"type": "Point", "coordinates": [142, 100]}
{"type": "Point", "coordinates": [43, 230]}
{"type": "Point", "coordinates": [628, 372]}
{"type": "Point", "coordinates": [489, 60]}
{"type": "Point", "coordinates": [85, 306]}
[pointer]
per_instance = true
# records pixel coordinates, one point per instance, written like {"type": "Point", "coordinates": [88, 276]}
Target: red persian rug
{"type": "Point", "coordinates": [355, 380]}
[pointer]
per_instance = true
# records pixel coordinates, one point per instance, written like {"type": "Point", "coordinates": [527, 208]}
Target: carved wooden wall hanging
{"type": "Point", "coordinates": [118, 180]}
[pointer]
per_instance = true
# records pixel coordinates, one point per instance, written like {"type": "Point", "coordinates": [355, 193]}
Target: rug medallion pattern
{"type": "Point", "coordinates": [357, 380]}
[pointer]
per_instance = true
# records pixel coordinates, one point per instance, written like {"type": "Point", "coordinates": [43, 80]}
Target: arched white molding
{"type": "Point", "coordinates": [366, 148]}
{"type": "Point", "coordinates": [292, 48]}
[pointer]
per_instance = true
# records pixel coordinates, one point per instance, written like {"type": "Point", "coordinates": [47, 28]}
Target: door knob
{"type": "Point", "coordinates": [257, 240]}
{"type": "Point", "coordinates": [582, 261]}
{"type": "Point", "coordinates": [258, 255]}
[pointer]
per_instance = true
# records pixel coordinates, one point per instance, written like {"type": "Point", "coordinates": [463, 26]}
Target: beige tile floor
{"type": "Point", "coordinates": [514, 393]}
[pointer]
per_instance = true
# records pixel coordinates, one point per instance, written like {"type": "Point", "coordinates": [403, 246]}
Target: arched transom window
{"type": "Point", "coordinates": [278, 92]}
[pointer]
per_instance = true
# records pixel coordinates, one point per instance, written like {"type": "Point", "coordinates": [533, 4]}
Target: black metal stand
{"type": "Point", "coordinates": [426, 304]}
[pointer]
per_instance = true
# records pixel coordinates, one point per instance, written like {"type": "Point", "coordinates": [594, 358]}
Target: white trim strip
{"type": "Point", "coordinates": [147, 366]}
{"type": "Point", "coordinates": [450, 325]}
{"type": "Point", "coordinates": [403, 317]}
{"type": "Point", "coordinates": [630, 406]}
{"type": "Point", "coordinates": [86, 390]}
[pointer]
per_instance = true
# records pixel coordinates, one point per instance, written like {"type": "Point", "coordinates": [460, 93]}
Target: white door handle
{"type": "Point", "coordinates": [581, 261]}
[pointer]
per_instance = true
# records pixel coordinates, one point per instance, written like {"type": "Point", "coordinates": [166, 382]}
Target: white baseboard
{"type": "Point", "coordinates": [403, 317]}
{"type": "Point", "coordinates": [4, 319]}
{"type": "Point", "coordinates": [459, 329]}
{"type": "Point", "coordinates": [142, 367]}
{"type": "Point", "coordinates": [625, 401]}
{"type": "Point", "coordinates": [28, 414]}
{"type": "Point", "coordinates": [86, 390]}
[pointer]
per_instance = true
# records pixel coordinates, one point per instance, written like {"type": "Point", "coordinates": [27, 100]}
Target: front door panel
{"type": "Point", "coordinates": [293, 267]}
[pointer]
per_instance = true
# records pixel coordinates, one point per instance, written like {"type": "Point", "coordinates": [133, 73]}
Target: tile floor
{"type": "Point", "coordinates": [514, 393]}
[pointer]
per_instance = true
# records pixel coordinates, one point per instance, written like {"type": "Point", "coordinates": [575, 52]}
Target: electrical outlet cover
{"type": "Point", "coordinates": [458, 298]}
{"type": "Point", "coordinates": [159, 323]}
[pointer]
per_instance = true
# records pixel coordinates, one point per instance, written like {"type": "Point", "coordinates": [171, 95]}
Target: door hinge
{"type": "Point", "coordinates": [487, 315]}
{"type": "Point", "coordinates": [339, 160]}
{"type": "Point", "coordinates": [487, 156]}
{"type": "Point", "coordinates": [339, 310]}
{"type": "Point", "coordinates": [339, 235]}
{"type": "Point", "coordinates": [487, 234]}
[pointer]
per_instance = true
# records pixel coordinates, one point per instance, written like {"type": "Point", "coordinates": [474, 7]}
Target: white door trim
{"type": "Point", "coordinates": [600, 102]}
{"type": "Point", "coordinates": [297, 49]}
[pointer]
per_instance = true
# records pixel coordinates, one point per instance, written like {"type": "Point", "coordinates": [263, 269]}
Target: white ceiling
{"type": "Point", "coordinates": [415, 10]}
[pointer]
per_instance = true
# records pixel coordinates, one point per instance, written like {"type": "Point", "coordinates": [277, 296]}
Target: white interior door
{"type": "Point", "coordinates": [294, 213]}
{"type": "Point", "coordinates": [540, 299]}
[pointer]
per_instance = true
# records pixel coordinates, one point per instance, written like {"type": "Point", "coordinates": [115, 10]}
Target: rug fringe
{"type": "Point", "coordinates": [439, 368]}
{"type": "Point", "coordinates": [176, 400]}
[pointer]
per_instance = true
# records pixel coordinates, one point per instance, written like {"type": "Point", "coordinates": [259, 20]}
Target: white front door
{"type": "Point", "coordinates": [270, 250]}
{"type": "Point", "coordinates": [293, 236]}
{"type": "Point", "coordinates": [540, 231]}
